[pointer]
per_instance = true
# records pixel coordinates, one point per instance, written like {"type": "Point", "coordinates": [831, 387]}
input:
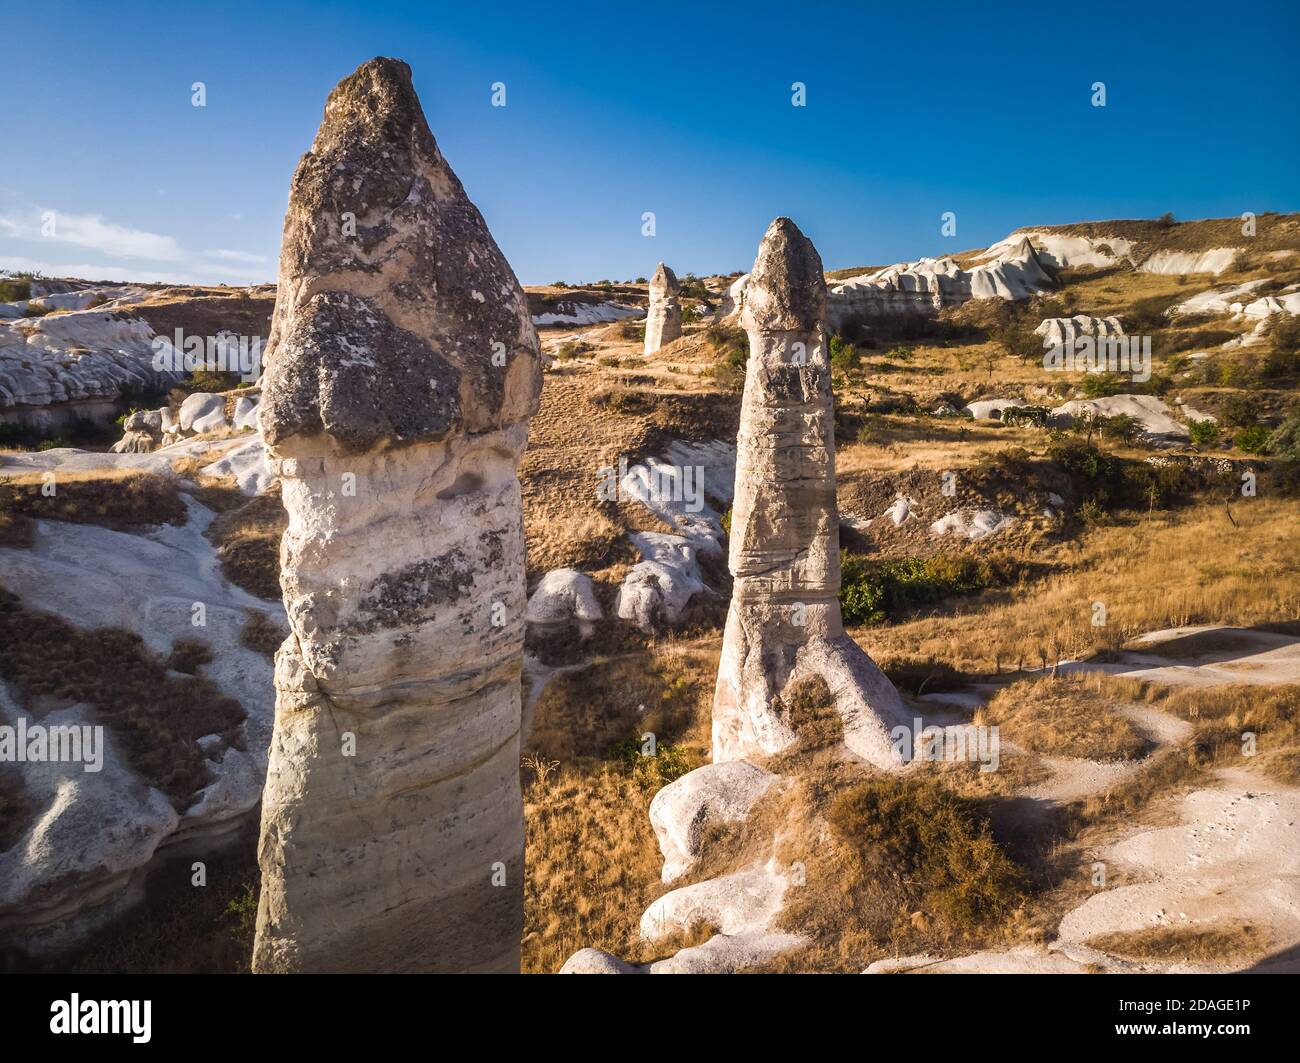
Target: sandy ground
{"type": "Point", "coordinates": [1231, 857]}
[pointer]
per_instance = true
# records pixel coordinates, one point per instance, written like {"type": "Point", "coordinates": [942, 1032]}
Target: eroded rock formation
{"type": "Point", "coordinates": [784, 623]}
{"type": "Point", "coordinates": [401, 372]}
{"type": "Point", "coordinates": [663, 321]}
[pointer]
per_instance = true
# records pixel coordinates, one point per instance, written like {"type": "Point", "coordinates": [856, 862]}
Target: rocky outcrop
{"type": "Point", "coordinates": [401, 373]}
{"type": "Point", "coordinates": [784, 622]}
{"type": "Point", "coordinates": [1153, 415]}
{"type": "Point", "coordinates": [925, 287]}
{"type": "Point", "coordinates": [733, 300]}
{"type": "Point", "coordinates": [56, 369]}
{"type": "Point", "coordinates": [1058, 331]}
{"type": "Point", "coordinates": [663, 322]}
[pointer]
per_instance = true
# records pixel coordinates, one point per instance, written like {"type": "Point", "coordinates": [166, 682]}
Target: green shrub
{"type": "Point", "coordinates": [1241, 411]}
{"type": "Point", "coordinates": [1203, 432]}
{"type": "Point", "coordinates": [1253, 440]}
{"type": "Point", "coordinates": [844, 356]}
{"type": "Point", "coordinates": [1026, 416]}
{"type": "Point", "coordinates": [1101, 385]}
{"type": "Point", "coordinates": [668, 763]}
{"type": "Point", "coordinates": [1285, 440]}
{"type": "Point", "coordinates": [1120, 428]}
{"type": "Point", "coordinates": [873, 591]}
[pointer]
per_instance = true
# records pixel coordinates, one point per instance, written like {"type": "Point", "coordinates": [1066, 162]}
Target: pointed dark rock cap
{"type": "Point", "coordinates": [787, 289]}
{"type": "Point", "coordinates": [664, 280]}
{"type": "Point", "coordinates": [397, 317]}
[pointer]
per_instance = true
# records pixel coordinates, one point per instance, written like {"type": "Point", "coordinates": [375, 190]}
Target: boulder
{"type": "Point", "coordinates": [202, 412]}
{"type": "Point", "coordinates": [684, 810]}
{"type": "Point", "coordinates": [564, 598]}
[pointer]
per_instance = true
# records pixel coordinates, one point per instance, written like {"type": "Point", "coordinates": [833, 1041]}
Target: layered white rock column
{"type": "Point", "coordinates": [663, 319]}
{"type": "Point", "coordinates": [784, 622]}
{"type": "Point", "coordinates": [401, 372]}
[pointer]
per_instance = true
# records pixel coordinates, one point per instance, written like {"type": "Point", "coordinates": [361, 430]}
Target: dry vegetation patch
{"type": "Point", "coordinates": [156, 717]}
{"type": "Point", "coordinates": [1192, 944]}
{"type": "Point", "coordinates": [1207, 569]}
{"type": "Point", "coordinates": [247, 537]}
{"type": "Point", "coordinates": [124, 500]}
{"type": "Point", "coordinates": [1064, 716]}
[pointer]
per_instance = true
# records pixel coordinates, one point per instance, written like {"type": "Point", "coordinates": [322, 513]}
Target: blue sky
{"type": "Point", "coordinates": [620, 108]}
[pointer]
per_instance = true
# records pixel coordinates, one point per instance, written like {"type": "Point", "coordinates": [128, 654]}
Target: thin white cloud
{"type": "Point", "coordinates": [236, 256]}
{"type": "Point", "coordinates": [192, 273]}
{"type": "Point", "coordinates": [91, 231]}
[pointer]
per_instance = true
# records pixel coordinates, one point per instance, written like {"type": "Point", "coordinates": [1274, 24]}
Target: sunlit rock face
{"type": "Point", "coordinates": [663, 322]}
{"type": "Point", "coordinates": [400, 375]}
{"type": "Point", "coordinates": [784, 623]}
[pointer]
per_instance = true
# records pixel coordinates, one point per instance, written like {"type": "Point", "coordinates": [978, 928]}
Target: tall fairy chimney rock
{"type": "Point", "coordinates": [784, 622]}
{"type": "Point", "coordinates": [401, 372]}
{"type": "Point", "coordinates": [663, 320]}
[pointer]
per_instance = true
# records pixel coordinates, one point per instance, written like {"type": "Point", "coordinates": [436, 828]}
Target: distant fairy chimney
{"type": "Point", "coordinates": [663, 322]}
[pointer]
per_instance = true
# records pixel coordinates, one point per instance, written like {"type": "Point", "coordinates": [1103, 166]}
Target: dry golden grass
{"type": "Point", "coordinates": [247, 537]}
{"type": "Point", "coordinates": [593, 865]}
{"type": "Point", "coordinates": [1062, 716]}
{"type": "Point", "coordinates": [1202, 944]}
{"type": "Point", "coordinates": [586, 713]}
{"type": "Point", "coordinates": [123, 499]}
{"type": "Point", "coordinates": [1173, 569]}
{"type": "Point", "coordinates": [16, 529]}
{"type": "Point", "coordinates": [262, 634]}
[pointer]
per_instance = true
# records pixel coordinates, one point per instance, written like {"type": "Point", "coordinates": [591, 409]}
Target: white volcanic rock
{"type": "Point", "coordinates": [1063, 251]}
{"type": "Point", "coordinates": [988, 409]}
{"type": "Point", "coordinates": [247, 464]}
{"type": "Point", "coordinates": [1062, 330]}
{"type": "Point", "coordinates": [1232, 860]}
{"type": "Point", "coordinates": [401, 372]}
{"type": "Point", "coordinates": [85, 358]}
{"type": "Point", "coordinates": [245, 413]}
{"type": "Point", "coordinates": [971, 524]}
{"type": "Point", "coordinates": [902, 510]}
{"type": "Point", "coordinates": [564, 598]}
{"type": "Point", "coordinates": [929, 285]}
{"type": "Point", "coordinates": [1216, 300]}
{"type": "Point", "coordinates": [142, 432]}
{"type": "Point", "coordinates": [687, 807]}
{"type": "Point", "coordinates": [1026, 959]}
{"type": "Point", "coordinates": [597, 961]}
{"type": "Point", "coordinates": [1151, 412]}
{"type": "Point", "coordinates": [784, 620]}
{"type": "Point", "coordinates": [96, 577]}
{"type": "Point", "coordinates": [721, 954]}
{"type": "Point", "coordinates": [202, 412]}
{"type": "Point", "coordinates": [1287, 302]}
{"type": "Point", "coordinates": [92, 830]}
{"type": "Point", "coordinates": [728, 953]}
{"type": "Point", "coordinates": [743, 902]}
{"type": "Point", "coordinates": [733, 300]}
{"type": "Point", "coordinates": [656, 591]}
{"type": "Point", "coordinates": [1214, 260]}
{"type": "Point", "coordinates": [576, 312]}
{"type": "Point", "coordinates": [663, 322]}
